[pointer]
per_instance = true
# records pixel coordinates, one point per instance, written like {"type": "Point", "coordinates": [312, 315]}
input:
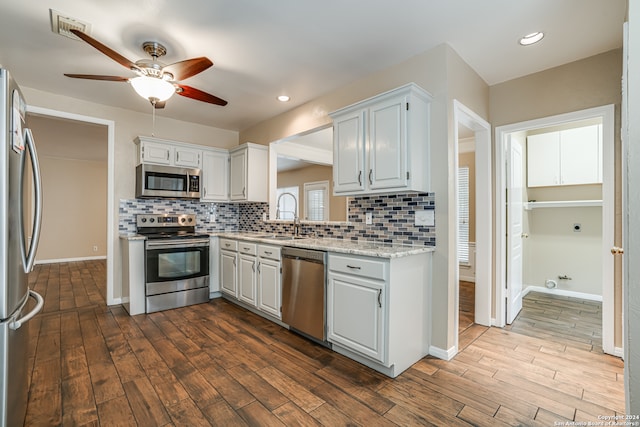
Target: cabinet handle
{"type": "Point", "coordinates": [243, 192]}
{"type": "Point", "coordinates": [227, 244]}
{"type": "Point", "coordinates": [360, 178]}
{"type": "Point", "coordinates": [167, 155]}
{"type": "Point", "coordinates": [379, 298]}
{"type": "Point", "coordinates": [258, 267]}
{"type": "Point", "coordinates": [205, 193]}
{"type": "Point", "coordinates": [268, 252]}
{"type": "Point", "coordinates": [178, 156]}
{"type": "Point", "coordinates": [253, 266]}
{"type": "Point", "coordinates": [370, 179]}
{"type": "Point", "coordinates": [355, 267]}
{"type": "Point", "coordinates": [234, 262]}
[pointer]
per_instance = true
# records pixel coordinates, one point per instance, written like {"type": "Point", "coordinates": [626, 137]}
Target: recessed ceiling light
{"type": "Point", "coordinates": [532, 38]}
{"type": "Point", "coordinates": [283, 98]}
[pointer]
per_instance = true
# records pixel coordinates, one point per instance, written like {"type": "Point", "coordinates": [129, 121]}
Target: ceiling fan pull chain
{"type": "Point", "coordinates": [153, 123]}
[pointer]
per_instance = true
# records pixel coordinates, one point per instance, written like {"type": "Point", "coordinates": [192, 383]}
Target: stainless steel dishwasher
{"type": "Point", "coordinates": [304, 291]}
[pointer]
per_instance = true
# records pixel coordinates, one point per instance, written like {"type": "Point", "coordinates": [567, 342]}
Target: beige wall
{"type": "Point", "coordinates": [75, 209]}
{"type": "Point", "coordinates": [128, 125]}
{"type": "Point", "coordinates": [442, 73]}
{"type": "Point", "coordinates": [587, 83]}
{"type": "Point", "coordinates": [313, 173]}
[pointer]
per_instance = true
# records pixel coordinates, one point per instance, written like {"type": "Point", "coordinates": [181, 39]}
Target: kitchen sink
{"type": "Point", "coordinates": [282, 237]}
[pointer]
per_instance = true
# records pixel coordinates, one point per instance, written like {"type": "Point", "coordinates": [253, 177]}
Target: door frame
{"type": "Point", "coordinates": [607, 113]}
{"type": "Point", "coordinates": [111, 236]}
{"type": "Point", "coordinates": [482, 130]}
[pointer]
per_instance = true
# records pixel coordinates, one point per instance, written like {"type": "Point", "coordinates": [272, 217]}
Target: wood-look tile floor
{"type": "Point", "coordinates": [217, 364]}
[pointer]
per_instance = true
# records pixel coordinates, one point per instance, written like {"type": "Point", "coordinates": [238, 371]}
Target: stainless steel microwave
{"type": "Point", "coordinates": [167, 181]}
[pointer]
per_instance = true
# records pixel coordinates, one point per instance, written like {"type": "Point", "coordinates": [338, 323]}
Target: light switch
{"type": "Point", "coordinates": [426, 218]}
{"type": "Point", "coordinates": [368, 218]}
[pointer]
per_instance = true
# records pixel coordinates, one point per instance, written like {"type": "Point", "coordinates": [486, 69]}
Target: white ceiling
{"type": "Point", "coordinates": [302, 48]}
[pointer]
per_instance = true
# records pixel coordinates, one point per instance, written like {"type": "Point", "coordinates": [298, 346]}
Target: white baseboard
{"type": "Point", "coordinates": [619, 352]}
{"type": "Point", "coordinates": [563, 292]}
{"type": "Point", "coordinates": [441, 353]}
{"type": "Point", "coordinates": [471, 279]}
{"type": "Point", "coordinates": [116, 301]}
{"type": "Point", "coordinates": [56, 261]}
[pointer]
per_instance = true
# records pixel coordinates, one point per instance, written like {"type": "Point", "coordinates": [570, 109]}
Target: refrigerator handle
{"type": "Point", "coordinates": [30, 256]}
{"type": "Point", "coordinates": [40, 302]}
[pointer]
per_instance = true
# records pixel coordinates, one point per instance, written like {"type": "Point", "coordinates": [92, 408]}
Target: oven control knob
{"type": "Point", "coordinates": [182, 220]}
{"type": "Point", "coordinates": [152, 219]}
{"type": "Point", "coordinates": [143, 220]}
{"type": "Point", "coordinates": [190, 219]}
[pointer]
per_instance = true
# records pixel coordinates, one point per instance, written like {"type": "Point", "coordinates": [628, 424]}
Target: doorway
{"type": "Point", "coordinates": [479, 131]}
{"type": "Point", "coordinates": [110, 148]}
{"type": "Point", "coordinates": [505, 135]}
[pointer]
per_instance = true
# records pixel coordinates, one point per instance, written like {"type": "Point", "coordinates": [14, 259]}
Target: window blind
{"type": "Point", "coordinates": [463, 215]}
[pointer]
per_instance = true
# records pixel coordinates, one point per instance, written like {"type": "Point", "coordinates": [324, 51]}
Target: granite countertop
{"type": "Point", "coordinates": [365, 248]}
{"type": "Point", "coordinates": [132, 236]}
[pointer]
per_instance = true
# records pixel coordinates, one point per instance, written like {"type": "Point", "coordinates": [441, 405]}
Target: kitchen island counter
{"type": "Point", "coordinates": [370, 248]}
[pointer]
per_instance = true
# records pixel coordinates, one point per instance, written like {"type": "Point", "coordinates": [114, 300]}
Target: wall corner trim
{"type": "Point", "coordinates": [443, 354]}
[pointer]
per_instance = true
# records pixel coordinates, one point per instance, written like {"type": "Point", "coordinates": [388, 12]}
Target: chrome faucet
{"type": "Point", "coordinates": [296, 220]}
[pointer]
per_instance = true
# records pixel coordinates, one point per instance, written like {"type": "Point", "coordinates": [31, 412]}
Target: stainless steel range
{"type": "Point", "coordinates": [176, 261]}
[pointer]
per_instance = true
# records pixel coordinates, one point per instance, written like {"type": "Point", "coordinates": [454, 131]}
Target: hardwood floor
{"type": "Point", "coordinates": [217, 364]}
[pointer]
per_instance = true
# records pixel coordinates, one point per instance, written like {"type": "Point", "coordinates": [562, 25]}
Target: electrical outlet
{"type": "Point", "coordinates": [264, 216]}
{"type": "Point", "coordinates": [425, 218]}
{"type": "Point", "coordinates": [368, 218]}
{"type": "Point", "coordinates": [213, 217]}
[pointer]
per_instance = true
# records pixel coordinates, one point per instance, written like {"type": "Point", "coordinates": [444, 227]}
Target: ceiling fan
{"type": "Point", "coordinates": [155, 81]}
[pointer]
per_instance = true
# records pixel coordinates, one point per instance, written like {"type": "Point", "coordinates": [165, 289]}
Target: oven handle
{"type": "Point", "coordinates": [177, 244]}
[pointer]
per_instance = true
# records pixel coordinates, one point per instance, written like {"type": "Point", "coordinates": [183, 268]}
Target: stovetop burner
{"type": "Point", "coordinates": [168, 226]}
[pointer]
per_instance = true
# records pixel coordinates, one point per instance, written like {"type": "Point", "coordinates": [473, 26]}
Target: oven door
{"type": "Point", "coordinates": [176, 260]}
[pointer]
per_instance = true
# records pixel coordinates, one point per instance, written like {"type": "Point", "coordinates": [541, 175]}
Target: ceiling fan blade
{"type": "Point", "coordinates": [197, 94]}
{"type": "Point", "coordinates": [96, 77]}
{"type": "Point", "coordinates": [106, 50]}
{"type": "Point", "coordinates": [187, 68]}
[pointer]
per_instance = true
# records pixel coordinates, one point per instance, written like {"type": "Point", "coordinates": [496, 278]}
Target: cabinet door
{"type": "Point", "coordinates": [348, 153]}
{"type": "Point", "coordinates": [543, 159]}
{"type": "Point", "coordinates": [269, 287]}
{"type": "Point", "coordinates": [215, 176]}
{"type": "Point", "coordinates": [355, 315]}
{"type": "Point", "coordinates": [153, 152]}
{"type": "Point", "coordinates": [238, 175]}
{"type": "Point", "coordinates": [580, 156]}
{"type": "Point", "coordinates": [387, 166]}
{"type": "Point", "coordinates": [187, 157]}
{"type": "Point", "coordinates": [228, 279]}
{"type": "Point", "coordinates": [247, 279]}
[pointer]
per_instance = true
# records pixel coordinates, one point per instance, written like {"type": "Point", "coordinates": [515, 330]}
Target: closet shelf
{"type": "Point", "coordinates": [562, 204]}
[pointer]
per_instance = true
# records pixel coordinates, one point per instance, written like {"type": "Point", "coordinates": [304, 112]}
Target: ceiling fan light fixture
{"type": "Point", "coordinates": [532, 38]}
{"type": "Point", "coordinates": [152, 88]}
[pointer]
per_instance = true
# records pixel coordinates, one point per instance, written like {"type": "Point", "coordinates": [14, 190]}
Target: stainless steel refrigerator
{"type": "Point", "coordinates": [18, 169]}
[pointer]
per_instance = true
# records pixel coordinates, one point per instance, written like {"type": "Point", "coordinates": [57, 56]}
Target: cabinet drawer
{"type": "Point", "coordinates": [247, 248]}
{"type": "Point", "coordinates": [269, 252]}
{"type": "Point", "coordinates": [229, 245]}
{"type": "Point", "coordinates": [358, 266]}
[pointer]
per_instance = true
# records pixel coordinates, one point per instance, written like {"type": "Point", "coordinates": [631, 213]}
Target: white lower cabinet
{"type": "Point", "coordinates": [251, 274]}
{"type": "Point", "coordinates": [355, 314]}
{"type": "Point", "coordinates": [377, 309]}
{"type": "Point", "coordinates": [270, 280]}
{"type": "Point", "coordinates": [228, 267]}
{"type": "Point", "coordinates": [247, 279]}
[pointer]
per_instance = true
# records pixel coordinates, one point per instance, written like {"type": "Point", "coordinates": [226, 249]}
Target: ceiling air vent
{"type": "Point", "coordinates": [63, 25]}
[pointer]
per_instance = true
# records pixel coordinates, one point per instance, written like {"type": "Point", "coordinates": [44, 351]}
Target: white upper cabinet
{"type": "Point", "coordinates": [248, 175]}
{"type": "Point", "coordinates": [566, 157]}
{"type": "Point", "coordinates": [170, 153]}
{"type": "Point", "coordinates": [381, 145]}
{"type": "Point", "coordinates": [215, 175]}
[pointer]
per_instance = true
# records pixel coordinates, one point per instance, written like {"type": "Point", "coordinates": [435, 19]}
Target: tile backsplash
{"type": "Point", "coordinates": [392, 222]}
